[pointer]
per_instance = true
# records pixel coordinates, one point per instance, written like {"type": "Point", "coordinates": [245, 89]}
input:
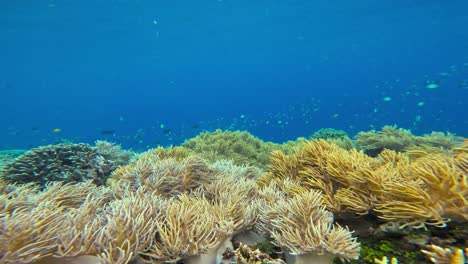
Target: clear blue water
{"type": "Point", "coordinates": [148, 72]}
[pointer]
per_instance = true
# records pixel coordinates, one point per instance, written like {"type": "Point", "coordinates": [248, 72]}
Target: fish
{"type": "Point", "coordinates": [107, 132]}
{"type": "Point", "coordinates": [57, 130]}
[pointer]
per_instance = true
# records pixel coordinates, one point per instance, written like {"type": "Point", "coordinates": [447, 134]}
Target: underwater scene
{"type": "Point", "coordinates": [233, 132]}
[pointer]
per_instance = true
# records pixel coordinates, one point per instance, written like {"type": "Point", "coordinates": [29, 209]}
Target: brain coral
{"type": "Point", "coordinates": [61, 162]}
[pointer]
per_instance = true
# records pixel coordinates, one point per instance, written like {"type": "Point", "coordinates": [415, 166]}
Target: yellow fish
{"type": "Point", "coordinates": [57, 130]}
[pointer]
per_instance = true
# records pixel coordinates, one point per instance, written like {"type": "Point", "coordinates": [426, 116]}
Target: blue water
{"type": "Point", "coordinates": [148, 72]}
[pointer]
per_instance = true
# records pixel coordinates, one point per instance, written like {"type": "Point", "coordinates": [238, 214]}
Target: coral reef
{"type": "Point", "coordinates": [343, 176]}
{"type": "Point", "coordinates": [7, 156]}
{"type": "Point", "coordinates": [29, 214]}
{"type": "Point", "coordinates": [113, 153]}
{"type": "Point", "coordinates": [248, 255]}
{"type": "Point", "coordinates": [430, 190]}
{"type": "Point", "coordinates": [337, 137]}
{"type": "Point", "coordinates": [390, 137]}
{"type": "Point", "coordinates": [240, 146]}
{"type": "Point", "coordinates": [301, 224]}
{"type": "Point", "coordinates": [182, 205]}
{"type": "Point", "coordinates": [125, 221]}
{"type": "Point", "coordinates": [157, 209]}
{"type": "Point", "coordinates": [385, 260]}
{"type": "Point", "coordinates": [167, 177]}
{"type": "Point", "coordinates": [66, 163]}
{"type": "Point", "coordinates": [434, 191]}
{"type": "Point", "coordinates": [398, 139]}
{"type": "Point", "coordinates": [446, 255]}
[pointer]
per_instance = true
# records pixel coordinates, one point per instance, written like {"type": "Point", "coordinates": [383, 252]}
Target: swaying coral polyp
{"type": "Point", "coordinates": [174, 204]}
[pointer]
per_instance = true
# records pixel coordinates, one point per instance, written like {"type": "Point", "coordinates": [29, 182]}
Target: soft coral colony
{"type": "Point", "coordinates": [429, 190]}
{"type": "Point", "coordinates": [173, 204]}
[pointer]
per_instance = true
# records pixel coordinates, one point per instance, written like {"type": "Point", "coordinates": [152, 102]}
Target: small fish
{"type": "Point", "coordinates": [139, 134]}
{"type": "Point", "coordinates": [167, 131]}
{"type": "Point", "coordinates": [35, 129]}
{"type": "Point", "coordinates": [107, 132]}
{"type": "Point", "coordinates": [57, 130]}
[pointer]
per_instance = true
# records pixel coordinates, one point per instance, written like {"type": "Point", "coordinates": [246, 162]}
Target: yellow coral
{"type": "Point", "coordinates": [438, 190]}
{"type": "Point", "coordinates": [461, 155]}
{"type": "Point", "coordinates": [303, 226]}
{"type": "Point", "coordinates": [17, 231]}
{"type": "Point", "coordinates": [384, 260]}
{"type": "Point", "coordinates": [326, 167]}
{"type": "Point", "coordinates": [446, 255]}
{"type": "Point", "coordinates": [429, 190]}
{"type": "Point", "coordinates": [188, 228]}
{"type": "Point", "coordinates": [167, 177]}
